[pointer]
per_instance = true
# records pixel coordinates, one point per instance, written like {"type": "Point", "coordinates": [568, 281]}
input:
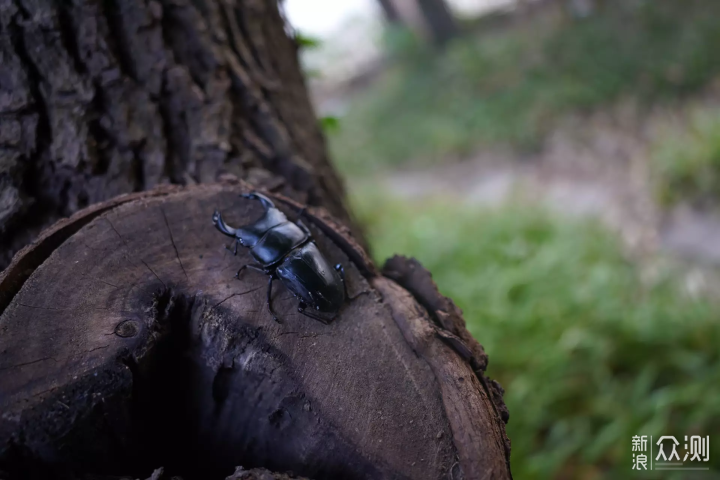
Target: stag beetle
{"type": "Point", "coordinates": [286, 250]}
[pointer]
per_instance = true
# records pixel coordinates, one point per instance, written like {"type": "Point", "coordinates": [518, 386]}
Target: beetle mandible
{"type": "Point", "coordinates": [287, 251]}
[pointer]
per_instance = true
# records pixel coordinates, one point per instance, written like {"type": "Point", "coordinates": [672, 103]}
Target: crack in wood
{"type": "Point", "coordinates": [28, 363]}
{"type": "Point", "coordinates": [100, 280]}
{"type": "Point", "coordinates": [300, 335]}
{"type": "Point", "coordinates": [153, 272]}
{"type": "Point", "coordinates": [102, 347]}
{"type": "Point", "coordinates": [234, 295]}
{"type": "Point", "coordinates": [172, 240]}
{"type": "Point", "coordinates": [46, 308]}
{"type": "Point", "coordinates": [127, 250]}
{"type": "Point", "coordinates": [118, 234]}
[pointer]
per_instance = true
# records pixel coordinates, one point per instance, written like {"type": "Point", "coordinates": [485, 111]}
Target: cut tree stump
{"type": "Point", "coordinates": [126, 344]}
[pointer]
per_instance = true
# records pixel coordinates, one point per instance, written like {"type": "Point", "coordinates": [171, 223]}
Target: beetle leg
{"type": "Point", "coordinates": [301, 309]}
{"type": "Point", "coordinates": [300, 223]}
{"type": "Point", "coordinates": [237, 240]}
{"type": "Point", "coordinates": [303, 227]}
{"type": "Point", "coordinates": [269, 294]}
{"type": "Point", "coordinates": [341, 271]}
{"type": "Point", "coordinates": [249, 265]}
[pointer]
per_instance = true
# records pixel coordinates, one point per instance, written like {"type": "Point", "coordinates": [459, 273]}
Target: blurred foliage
{"type": "Point", "coordinates": [307, 41]}
{"type": "Point", "coordinates": [329, 124]}
{"type": "Point", "coordinates": [590, 353]}
{"type": "Point", "coordinates": [686, 162]}
{"type": "Point", "coordinates": [506, 86]}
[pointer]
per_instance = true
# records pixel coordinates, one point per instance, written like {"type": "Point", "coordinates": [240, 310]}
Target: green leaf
{"type": "Point", "coordinates": [307, 41]}
{"type": "Point", "coordinates": [329, 124]}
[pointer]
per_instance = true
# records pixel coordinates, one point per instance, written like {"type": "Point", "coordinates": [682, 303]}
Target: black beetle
{"type": "Point", "coordinates": [286, 250]}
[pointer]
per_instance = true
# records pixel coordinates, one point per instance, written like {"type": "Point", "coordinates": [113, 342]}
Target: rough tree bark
{"type": "Point", "coordinates": [390, 12]}
{"type": "Point", "coordinates": [125, 344]}
{"type": "Point", "coordinates": [440, 20]}
{"type": "Point", "coordinates": [103, 97]}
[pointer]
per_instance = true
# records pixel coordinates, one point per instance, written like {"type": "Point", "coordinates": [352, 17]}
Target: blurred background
{"type": "Point", "coordinates": [556, 165]}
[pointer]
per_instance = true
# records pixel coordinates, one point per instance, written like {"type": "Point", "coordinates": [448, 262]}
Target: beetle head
{"type": "Point", "coordinates": [250, 234]}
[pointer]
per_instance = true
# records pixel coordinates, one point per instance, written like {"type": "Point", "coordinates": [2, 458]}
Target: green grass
{"type": "Point", "coordinates": [686, 162]}
{"type": "Point", "coordinates": [589, 354]}
{"type": "Point", "coordinates": [507, 87]}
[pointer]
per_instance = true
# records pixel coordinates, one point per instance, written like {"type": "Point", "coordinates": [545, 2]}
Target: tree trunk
{"type": "Point", "coordinates": [390, 12]}
{"type": "Point", "coordinates": [126, 344]}
{"type": "Point", "coordinates": [439, 19]}
{"type": "Point", "coordinates": [103, 97]}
